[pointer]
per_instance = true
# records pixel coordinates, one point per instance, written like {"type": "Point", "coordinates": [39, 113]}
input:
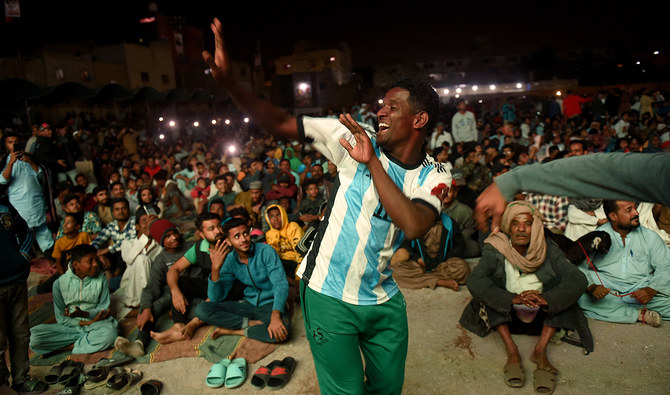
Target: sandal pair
{"type": "Point", "coordinates": [275, 375]}
{"type": "Point", "coordinates": [226, 372]}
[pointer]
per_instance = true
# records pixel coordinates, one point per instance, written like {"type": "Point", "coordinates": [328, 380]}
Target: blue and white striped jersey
{"type": "Point", "coordinates": [349, 257]}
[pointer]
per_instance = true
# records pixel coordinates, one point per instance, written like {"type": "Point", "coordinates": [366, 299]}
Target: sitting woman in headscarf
{"type": "Point", "coordinates": [524, 284]}
{"type": "Point", "coordinates": [146, 201]}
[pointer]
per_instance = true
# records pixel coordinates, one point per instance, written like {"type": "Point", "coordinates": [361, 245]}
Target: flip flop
{"type": "Point", "coordinates": [260, 379]}
{"type": "Point", "coordinates": [544, 381]}
{"type": "Point", "coordinates": [122, 359]}
{"type": "Point", "coordinates": [55, 372]}
{"type": "Point", "coordinates": [118, 379]}
{"type": "Point", "coordinates": [31, 386]}
{"type": "Point", "coordinates": [236, 373]}
{"type": "Point", "coordinates": [73, 384]}
{"type": "Point", "coordinates": [217, 373]}
{"type": "Point", "coordinates": [132, 378]}
{"type": "Point", "coordinates": [97, 377]}
{"type": "Point", "coordinates": [151, 387]}
{"type": "Point", "coordinates": [73, 369]}
{"type": "Point", "coordinates": [281, 374]}
{"type": "Point", "coordinates": [514, 375]}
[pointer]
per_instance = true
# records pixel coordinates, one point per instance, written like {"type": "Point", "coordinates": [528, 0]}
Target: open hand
{"type": "Point", "coordinates": [219, 63]}
{"type": "Point", "coordinates": [362, 152]}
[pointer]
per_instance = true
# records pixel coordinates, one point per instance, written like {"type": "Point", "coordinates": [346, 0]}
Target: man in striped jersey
{"type": "Point", "coordinates": [387, 189]}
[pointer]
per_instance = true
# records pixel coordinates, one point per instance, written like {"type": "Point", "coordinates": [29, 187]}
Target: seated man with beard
{"type": "Point", "coordinates": [632, 282]}
{"type": "Point", "coordinates": [524, 284]}
{"type": "Point", "coordinates": [188, 291]}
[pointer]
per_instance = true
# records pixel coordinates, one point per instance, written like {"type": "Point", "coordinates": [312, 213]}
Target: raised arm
{"type": "Point", "coordinates": [623, 176]}
{"type": "Point", "coordinates": [268, 116]}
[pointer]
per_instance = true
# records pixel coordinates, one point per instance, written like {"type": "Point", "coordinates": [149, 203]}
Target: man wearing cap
{"type": "Point", "coordinates": [138, 254]}
{"type": "Point", "coordinates": [156, 299]}
{"type": "Point", "coordinates": [524, 284]}
{"type": "Point", "coordinates": [387, 188]}
{"type": "Point", "coordinates": [463, 124]}
{"type": "Point", "coordinates": [253, 201]}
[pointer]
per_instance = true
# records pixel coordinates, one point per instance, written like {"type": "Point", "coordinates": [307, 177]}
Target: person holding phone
{"type": "Point", "coordinates": [23, 178]}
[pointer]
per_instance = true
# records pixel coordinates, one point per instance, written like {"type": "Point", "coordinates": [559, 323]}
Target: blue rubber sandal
{"type": "Point", "coordinates": [237, 373]}
{"type": "Point", "coordinates": [217, 373]}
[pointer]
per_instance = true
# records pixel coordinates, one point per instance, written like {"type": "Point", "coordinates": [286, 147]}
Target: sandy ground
{"type": "Point", "coordinates": [443, 358]}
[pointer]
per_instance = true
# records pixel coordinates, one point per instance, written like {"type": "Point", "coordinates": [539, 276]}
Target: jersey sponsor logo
{"type": "Point", "coordinates": [440, 191]}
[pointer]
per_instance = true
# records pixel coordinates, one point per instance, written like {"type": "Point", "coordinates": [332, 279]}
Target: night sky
{"type": "Point", "coordinates": [375, 33]}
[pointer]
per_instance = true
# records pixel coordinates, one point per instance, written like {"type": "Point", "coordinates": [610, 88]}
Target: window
{"type": "Point", "coordinates": [144, 76]}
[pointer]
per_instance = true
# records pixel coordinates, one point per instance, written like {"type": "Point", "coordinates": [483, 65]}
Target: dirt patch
{"type": "Point", "coordinates": [464, 341]}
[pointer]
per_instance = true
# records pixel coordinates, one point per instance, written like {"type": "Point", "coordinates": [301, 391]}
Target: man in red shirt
{"type": "Point", "coordinates": [572, 106]}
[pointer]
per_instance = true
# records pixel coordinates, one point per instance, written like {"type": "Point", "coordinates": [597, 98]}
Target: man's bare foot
{"type": "Point", "coordinates": [218, 332]}
{"type": "Point", "coordinates": [189, 329]}
{"type": "Point", "coordinates": [171, 335]}
{"type": "Point", "coordinates": [513, 358]}
{"type": "Point", "coordinates": [448, 284]}
{"type": "Point", "coordinates": [542, 362]}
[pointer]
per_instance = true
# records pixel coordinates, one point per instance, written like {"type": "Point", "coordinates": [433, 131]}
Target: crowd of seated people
{"type": "Point", "coordinates": [125, 194]}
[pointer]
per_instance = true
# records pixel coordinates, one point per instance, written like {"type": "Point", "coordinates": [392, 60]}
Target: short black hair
{"type": "Point", "coordinates": [308, 182]}
{"type": "Point", "coordinates": [217, 201]}
{"type": "Point", "coordinates": [239, 212]}
{"type": "Point", "coordinates": [422, 96]}
{"type": "Point", "coordinates": [162, 174]}
{"type": "Point", "coordinates": [78, 218]}
{"type": "Point", "coordinates": [77, 189]}
{"type": "Point", "coordinates": [115, 183]}
{"type": "Point", "coordinates": [70, 197]}
{"type": "Point", "coordinates": [206, 217]}
{"type": "Point", "coordinates": [80, 251]}
{"type": "Point", "coordinates": [117, 200]}
{"type": "Point", "coordinates": [98, 189]}
{"type": "Point", "coordinates": [219, 177]}
{"type": "Point", "coordinates": [583, 143]}
{"type": "Point", "coordinates": [609, 206]}
{"type": "Point", "coordinates": [231, 224]}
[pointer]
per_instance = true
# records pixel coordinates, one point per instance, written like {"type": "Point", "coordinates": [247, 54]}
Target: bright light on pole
{"type": "Point", "coordinates": [458, 90]}
{"type": "Point", "coordinates": [160, 119]}
{"type": "Point", "coordinates": [213, 121]}
{"type": "Point", "coordinates": [558, 93]}
{"type": "Point", "coordinates": [518, 85]}
{"type": "Point", "coordinates": [227, 122]}
{"type": "Point", "coordinates": [446, 91]}
{"type": "Point", "coordinates": [196, 124]}
{"type": "Point", "coordinates": [492, 87]}
{"type": "Point", "coordinates": [246, 120]}
{"type": "Point", "coordinates": [172, 123]}
{"type": "Point", "coordinates": [475, 88]}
